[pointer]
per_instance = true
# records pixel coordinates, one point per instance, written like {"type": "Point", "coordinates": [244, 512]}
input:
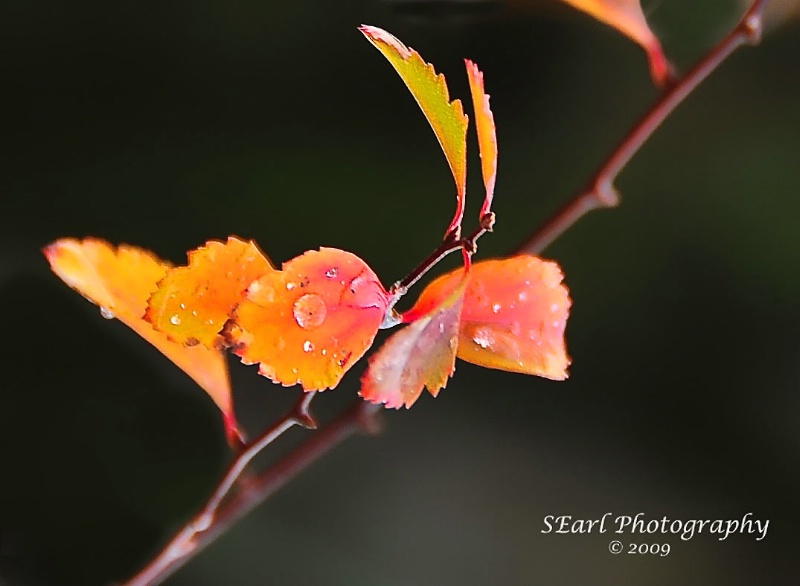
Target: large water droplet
{"type": "Point", "coordinates": [107, 313]}
{"type": "Point", "coordinates": [309, 311]}
{"type": "Point", "coordinates": [175, 320]}
{"type": "Point", "coordinates": [308, 346]}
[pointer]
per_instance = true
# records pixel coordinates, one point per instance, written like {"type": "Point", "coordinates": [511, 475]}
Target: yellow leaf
{"type": "Point", "coordinates": [193, 303]}
{"type": "Point", "coordinates": [487, 134]}
{"type": "Point", "coordinates": [429, 89]}
{"type": "Point", "coordinates": [120, 280]}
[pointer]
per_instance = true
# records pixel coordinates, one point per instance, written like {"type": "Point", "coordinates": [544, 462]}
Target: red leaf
{"type": "Point", "coordinates": [487, 137]}
{"type": "Point", "coordinates": [514, 314]}
{"type": "Point", "coordinates": [420, 355]}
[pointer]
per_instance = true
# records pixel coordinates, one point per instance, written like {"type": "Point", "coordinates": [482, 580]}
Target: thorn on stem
{"type": "Point", "coordinates": [607, 195]}
{"type": "Point", "coordinates": [752, 26]}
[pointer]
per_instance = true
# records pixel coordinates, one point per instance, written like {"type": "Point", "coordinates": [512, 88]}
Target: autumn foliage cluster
{"type": "Point", "coordinates": [308, 322]}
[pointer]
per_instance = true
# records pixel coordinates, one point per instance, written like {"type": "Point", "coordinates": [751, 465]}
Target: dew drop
{"type": "Point", "coordinates": [483, 338]}
{"type": "Point", "coordinates": [107, 313]}
{"type": "Point", "coordinates": [522, 296]}
{"type": "Point", "coordinates": [482, 342]}
{"type": "Point", "coordinates": [290, 286]}
{"type": "Point", "coordinates": [194, 313]}
{"type": "Point", "coordinates": [175, 320]}
{"type": "Point", "coordinates": [308, 346]}
{"type": "Point", "coordinates": [324, 352]}
{"type": "Point", "coordinates": [441, 328]}
{"type": "Point", "coordinates": [554, 308]}
{"type": "Point", "coordinates": [332, 272]}
{"type": "Point", "coordinates": [309, 311]}
{"type": "Point", "coordinates": [496, 307]}
{"type": "Point", "coordinates": [556, 324]}
{"type": "Point", "coordinates": [183, 306]}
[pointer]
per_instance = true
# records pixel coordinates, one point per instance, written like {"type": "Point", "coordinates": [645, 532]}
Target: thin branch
{"type": "Point", "coordinates": [601, 192]}
{"type": "Point", "coordinates": [449, 244]}
{"type": "Point", "coordinates": [185, 542]}
{"type": "Point", "coordinates": [362, 417]}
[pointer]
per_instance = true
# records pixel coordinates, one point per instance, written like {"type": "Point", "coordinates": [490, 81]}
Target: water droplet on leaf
{"type": "Point", "coordinates": [309, 311]}
{"type": "Point", "coordinates": [483, 338]}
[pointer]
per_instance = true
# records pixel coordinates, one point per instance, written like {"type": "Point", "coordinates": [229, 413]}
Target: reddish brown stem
{"type": "Point", "coordinates": [449, 244]}
{"type": "Point", "coordinates": [185, 542]}
{"type": "Point", "coordinates": [362, 417]}
{"type": "Point", "coordinates": [600, 192]}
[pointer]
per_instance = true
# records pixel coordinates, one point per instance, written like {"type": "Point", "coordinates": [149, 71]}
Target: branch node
{"type": "Point", "coordinates": [607, 195]}
{"type": "Point", "coordinates": [752, 26]}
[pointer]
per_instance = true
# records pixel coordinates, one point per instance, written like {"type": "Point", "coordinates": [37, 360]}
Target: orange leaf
{"type": "Point", "coordinates": [120, 280]}
{"type": "Point", "coordinates": [310, 322]}
{"type": "Point", "coordinates": [627, 17]}
{"type": "Point", "coordinates": [514, 314]}
{"type": "Point", "coordinates": [487, 134]}
{"type": "Point", "coordinates": [192, 303]}
{"type": "Point", "coordinates": [423, 354]}
{"type": "Point", "coordinates": [429, 89]}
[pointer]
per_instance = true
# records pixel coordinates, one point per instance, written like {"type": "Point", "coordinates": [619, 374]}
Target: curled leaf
{"type": "Point", "coordinates": [120, 280]}
{"type": "Point", "coordinates": [310, 322]}
{"type": "Point", "coordinates": [429, 89]}
{"type": "Point", "coordinates": [514, 314]}
{"type": "Point", "coordinates": [421, 355]}
{"type": "Point", "coordinates": [487, 134]}
{"type": "Point", "coordinates": [193, 303]}
{"type": "Point", "coordinates": [627, 17]}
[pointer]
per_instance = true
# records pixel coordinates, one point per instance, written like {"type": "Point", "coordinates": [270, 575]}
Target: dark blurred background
{"type": "Point", "coordinates": [167, 124]}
